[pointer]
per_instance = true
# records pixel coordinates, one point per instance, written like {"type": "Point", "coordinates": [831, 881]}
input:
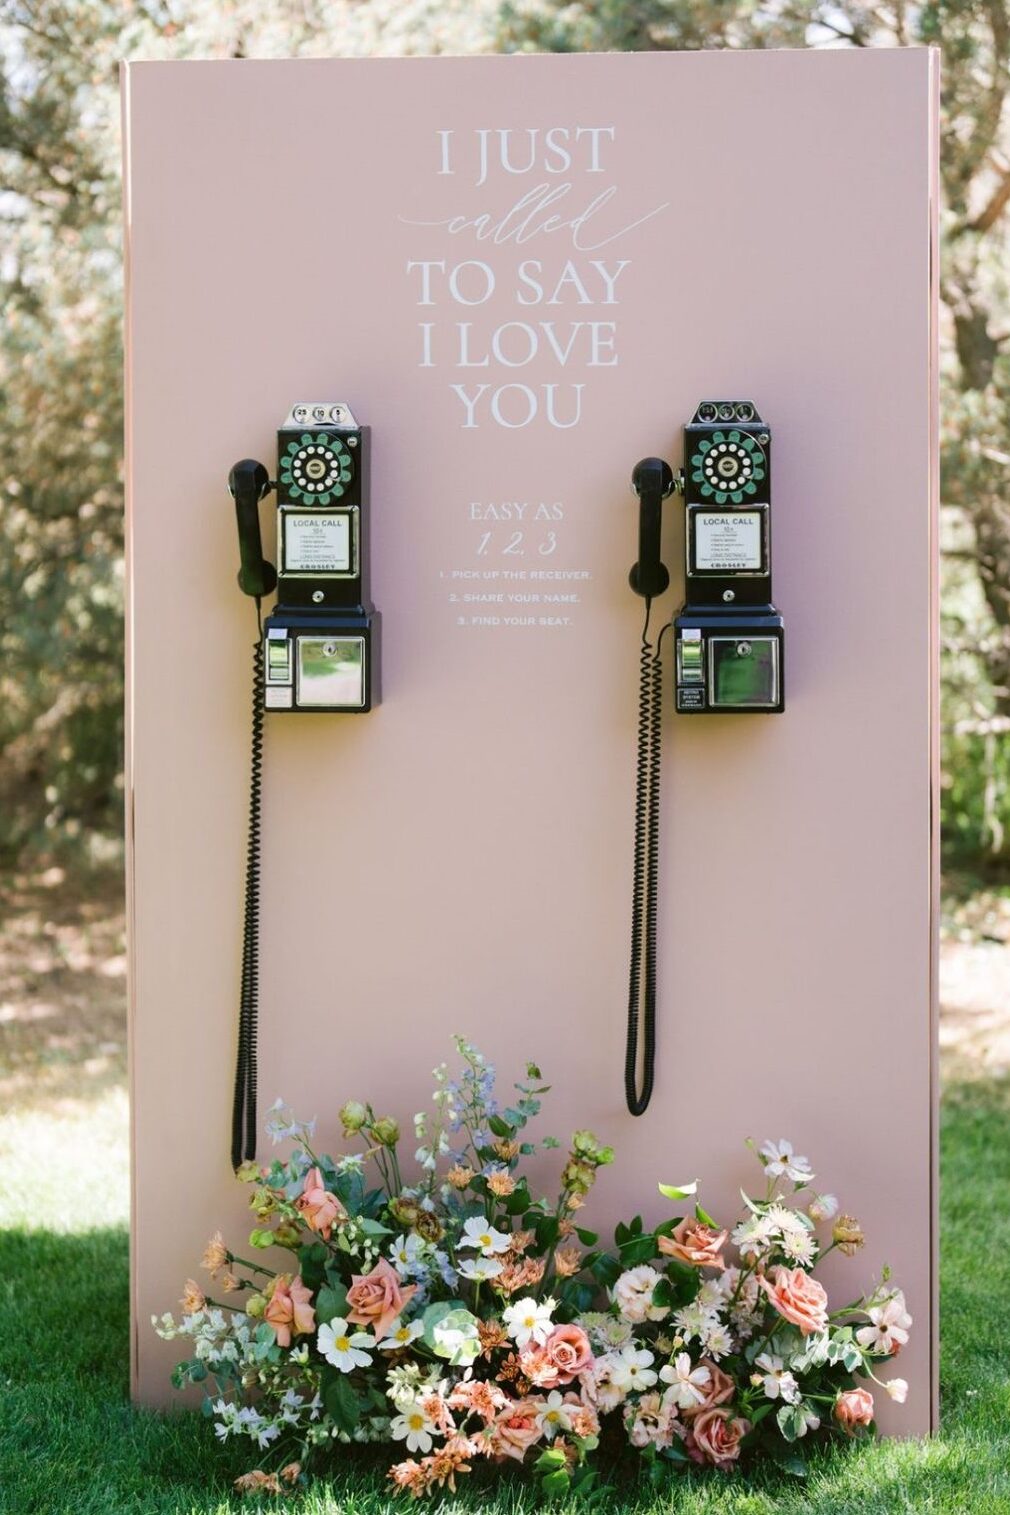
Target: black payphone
{"type": "Point", "coordinates": [728, 648]}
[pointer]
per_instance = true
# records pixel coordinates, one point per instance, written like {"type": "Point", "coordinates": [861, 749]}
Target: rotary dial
{"type": "Point", "coordinates": [316, 469]}
{"type": "Point", "coordinates": [729, 467]}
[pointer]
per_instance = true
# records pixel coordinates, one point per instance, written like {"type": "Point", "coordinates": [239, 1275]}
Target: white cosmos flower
{"type": "Point", "coordinates": [687, 1384]}
{"type": "Point", "coordinates": [777, 1381]}
{"type": "Point", "coordinates": [479, 1233]}
{"type": "Point", "coordinates": [782, 1162]}
{"type": "Point", "coordinates": [631, 1368]}
{"type": "Point", "coordinates": [406, 1250]}
{"type": "Point", "coordinates": [527, 1320]}
{"type": "Point", "coordinates": [553, 1416]}
{"type": "Point", "coordinates": [888, 1328]}
{"type": "Point", "coordinates": [413, 1427]}
{"type": "Point", "coordinates": [480, 1268]}
{"type": "Point", "coordinates": [400, 1335]}
{"type": "Point", "coordinates": [342, 1346]}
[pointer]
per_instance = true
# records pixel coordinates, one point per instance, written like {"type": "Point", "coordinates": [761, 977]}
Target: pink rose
{"type": "Point", "coordinates": [695, 1243]}
{"type": "Point", "coordinates": [799, 1298]}
{"type": "Point", "coordinates": [375, 1299]}
{"type": "Point", "coordinates": [563, 1357]}
{"type": "Point", "coordinates": [853, 1408]}
{"type": "Point", "coordinates": [718, 1391]}
{"type": "Point", "coordinates": [319, 1209]}
{"type": "Point", "coordinates": [516, 1429]}
{"type": "Point", "coordinates": [289, 1309]}
{"type": "Point", "coordinates": [715, 1437]}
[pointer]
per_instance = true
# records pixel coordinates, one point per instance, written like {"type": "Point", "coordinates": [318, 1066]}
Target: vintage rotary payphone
{"type": "Point", "coordinates": [319, 648]}
{"type": "Point", "coordinates": [728, 646]}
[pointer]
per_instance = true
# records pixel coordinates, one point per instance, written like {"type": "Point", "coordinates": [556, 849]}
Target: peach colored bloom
{"type": "Point", "coordinates": [319, 1209]}
{"type": "Point", "coordinates": [718, 1391]}
{"type": "Point", "coordinates": [215, 1254]}
{"type": "Point", "coordinates": [409, 1475]}
{"type": "Point", "coordinates": [459, 1175]}
{"type": "Point", "coordinates": [257, 1482]}
{"type": "Point", "coordinates": [291, 1472]}
{"type": "Point", "coordinates": [695, 1243]}
{"type": "Point", "coordinates": [516, 1276]}
{"type": "Point", "coordinates": [853, 1408]}
{"type": "Point", "coordinates": [375, 1299]}
{"type": "Point", "coordinates": [567, 1261]}
{"type": "Point", "coordinates": [289, 1309]}
{"type": "Point", "coordinates": [193, 1298]}
{"type": "Point", "coordinates": [516, 1429]}
{"type": "Point", "coordinates": [478, 1397]}
{"type": "Point", "coordinates": [568, 1351]}
{"type": "Point", "coordinates": [798, 1298]}
{"type": "Point", "coordinates": [501, 1184]}
{"type": "Point", "coordinates": [715, 1437]}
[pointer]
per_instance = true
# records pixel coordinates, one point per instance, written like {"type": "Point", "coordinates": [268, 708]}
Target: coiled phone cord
{"type": "Point", "coordinates": [645, 890]}
{"type": "Point", "coordinates": [243, 1120]}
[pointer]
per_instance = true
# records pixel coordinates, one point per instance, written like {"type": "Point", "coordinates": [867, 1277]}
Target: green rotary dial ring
{"type": "Point", "coordinates": [729, 466]}
{"type": "Point", "coordinates": [316, 468]}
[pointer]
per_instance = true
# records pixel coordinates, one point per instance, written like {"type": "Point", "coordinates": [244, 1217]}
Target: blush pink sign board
{"type": "Point", "coordinates": [754, 225]}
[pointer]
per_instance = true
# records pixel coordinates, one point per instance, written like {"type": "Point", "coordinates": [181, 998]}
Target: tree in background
{"type": "Point", "coordinates": [60, 373]}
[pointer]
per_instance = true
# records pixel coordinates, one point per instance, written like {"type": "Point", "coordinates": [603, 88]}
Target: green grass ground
{"type": "Point", "coordinates": [71, 1442]}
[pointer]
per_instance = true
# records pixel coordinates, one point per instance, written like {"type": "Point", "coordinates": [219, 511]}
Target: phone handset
{"type": "Point", "coordinates": [653, 481]}
{"type": "Point", "coordinates": [249, 483]}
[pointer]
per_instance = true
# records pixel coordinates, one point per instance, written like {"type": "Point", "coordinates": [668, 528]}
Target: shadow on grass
{"type": "Point", "coordinates": [70, 1441]}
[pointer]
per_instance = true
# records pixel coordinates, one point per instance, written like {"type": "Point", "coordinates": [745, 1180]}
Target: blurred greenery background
{"type": "Point", "coordinates": [61, 571]}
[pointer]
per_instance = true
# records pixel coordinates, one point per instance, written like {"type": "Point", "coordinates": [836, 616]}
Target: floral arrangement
{"type": "Point", "coordinates": [462, 1317]}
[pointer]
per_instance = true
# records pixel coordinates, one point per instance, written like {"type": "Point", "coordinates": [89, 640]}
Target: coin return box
{"type": "Point", "coordinates": [719, 670]}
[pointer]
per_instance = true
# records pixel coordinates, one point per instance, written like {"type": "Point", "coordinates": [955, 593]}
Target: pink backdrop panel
{"type": "Point", "coordinates": [758, 225]}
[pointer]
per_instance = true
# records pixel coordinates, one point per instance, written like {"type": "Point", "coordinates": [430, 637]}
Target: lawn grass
{"type": "Point", "coordinates": [71, 1443]}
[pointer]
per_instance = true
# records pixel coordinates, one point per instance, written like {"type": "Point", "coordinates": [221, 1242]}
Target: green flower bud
{"type": "Point", "coordinates": [386, 1131]}
{"type": "Point", "coordinates": [288, 1235]}
{"type": "Point", "coordinates": [352, 1117]}
{"type": "Point", "coordinates": [255, 1305]}
{"type": "Point", "coordinates": [248, 1172]}
{"type": "Point", "coordinates": [261, 1238]}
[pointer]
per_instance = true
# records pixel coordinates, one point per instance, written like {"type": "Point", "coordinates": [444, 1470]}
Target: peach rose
{"type": "Point", "coordinates": [853, 1408]}
{"type": "Point", "coordinates": [563, 1357]}
{"type": "Point", "coordinates": [799, 1298]}
{"type": "Point", "coordinates": [715, 1437]}
{"type": "Point", "coordinates": [718, 1391]}
{"type": "Point", "coordinates": [375, 1299]}
{"type": "Point", "coordinates": [320, 1210]}
{"type": "Point", "coordinates": [695, 1243]}
{"type": "Point", "coordinates": [516, 1429]}
{"type": "Point", "coordinates": [289, 1309]}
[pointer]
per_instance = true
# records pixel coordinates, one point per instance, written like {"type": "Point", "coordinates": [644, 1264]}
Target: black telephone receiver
{"type": "Point", "coordinates": [652, 480]}
{"type": "Point", "coordinates": [249, 483]}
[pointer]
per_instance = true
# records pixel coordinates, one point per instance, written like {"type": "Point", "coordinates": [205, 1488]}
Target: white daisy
{"type": "Point", "coordinates": [413, 1427]}
{"type": "Point", "coordinates": [687, 1384]}
{"type": "Point", "coordinates": [781, 1162]}
{"type": "Point", "coordinates": [799, 1246]}
{"type": "Point", "coordinates": [694, 1320]}
{"type": "Point", "coordinates": [718, 1341]}
{"type": "Point", "coordinates": [527, 1320]}
{"type": "Point", "coordinates": [400, 1335]}
{"type": "Point", "coordinates": [753, 1235]}
{"type": "Point", "coordinates": [342, 1346]}
{"type": "Point", "coordinates": [479, 1233]}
